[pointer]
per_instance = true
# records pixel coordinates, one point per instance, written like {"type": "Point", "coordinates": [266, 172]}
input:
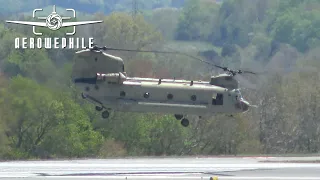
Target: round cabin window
{"type": "Point", "coordinates": [146, 95]}
{"type": "Point", "coordinates": [193, 97]}
{"type": "Point", "coordinates": [122, 94]}
{"type": "Point", "coordinates": [170, 96]}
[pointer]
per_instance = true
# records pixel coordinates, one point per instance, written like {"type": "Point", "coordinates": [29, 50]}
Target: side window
{"type": "Point", "coordinates": [214, 101]}
{"type": "Point", "coordinates": [218, 100]}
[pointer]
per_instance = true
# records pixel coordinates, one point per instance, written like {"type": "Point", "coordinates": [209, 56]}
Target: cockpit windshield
{"type": "Point", "coordinates": [239, 94]}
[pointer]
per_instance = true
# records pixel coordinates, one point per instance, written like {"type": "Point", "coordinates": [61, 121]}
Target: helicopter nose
{"type": "Point", "coordinates": [244, 105]}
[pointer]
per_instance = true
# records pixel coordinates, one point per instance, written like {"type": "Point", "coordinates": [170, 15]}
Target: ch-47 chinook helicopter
{"type": "Point", "coordinates": [103, 81]}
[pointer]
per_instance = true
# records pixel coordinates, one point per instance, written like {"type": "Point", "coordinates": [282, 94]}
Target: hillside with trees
{"type": "Point", "coordinates": [42, 114]}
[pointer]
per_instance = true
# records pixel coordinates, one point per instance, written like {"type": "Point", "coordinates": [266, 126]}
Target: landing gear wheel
{"type": "Point", "coordinates": [98, 108]}
{"type": "Point", "coordinates": [185, 122]}
{"type": "Point", "coordinates": [178, 116]}
{"type": "Point", "coordinates": [105, 114]}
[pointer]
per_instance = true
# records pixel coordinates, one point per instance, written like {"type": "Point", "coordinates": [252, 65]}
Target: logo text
{"type": "Point", "coordinates": [53, 43]}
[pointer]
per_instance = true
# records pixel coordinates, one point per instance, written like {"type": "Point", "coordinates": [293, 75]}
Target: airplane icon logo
{"type": "Point", "coordinates": [54, 21]}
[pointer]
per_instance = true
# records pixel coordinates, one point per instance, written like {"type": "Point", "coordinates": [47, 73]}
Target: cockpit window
{"type": "Point", "coordinates": [239, 96]}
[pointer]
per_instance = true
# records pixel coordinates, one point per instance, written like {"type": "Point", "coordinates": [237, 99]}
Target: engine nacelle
{"type": "Point", "coordinates": [111, 78]}
{"type": "Point", "coordinates": [224, 80]}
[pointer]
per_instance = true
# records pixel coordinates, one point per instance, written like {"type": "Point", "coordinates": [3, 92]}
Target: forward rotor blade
{"type": "Point", "coordinates": [246, 83]}
{"type": "Point", "coordinates": [254, 106]}
{"type": "Point", "coordinates": [249, 72]}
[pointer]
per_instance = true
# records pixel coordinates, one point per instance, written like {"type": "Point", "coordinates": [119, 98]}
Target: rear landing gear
{"type": "Point", "coordinates": [185, 122]}
{"type": "Point", "coordinates": [99, 108]}
{"type": "Point", "coordinates": [178, 116]}
{"type": "Point", "coordinates": [105, 114]}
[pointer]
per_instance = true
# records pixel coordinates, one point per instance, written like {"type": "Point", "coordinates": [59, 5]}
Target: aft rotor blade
{"type": "Point", "coordinates": [180, 53]}
{"type": "Point", "coordinates": [166, 52]}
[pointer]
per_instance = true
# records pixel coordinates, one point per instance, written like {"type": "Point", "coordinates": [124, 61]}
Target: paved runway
{"type": "Point", "coordinates": [240, 168]}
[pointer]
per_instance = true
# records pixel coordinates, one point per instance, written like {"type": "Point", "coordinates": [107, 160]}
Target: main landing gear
{"type": "Point", "coordinates": [105, 114]}
{"type": "Point", "coordinates": [184, 121]}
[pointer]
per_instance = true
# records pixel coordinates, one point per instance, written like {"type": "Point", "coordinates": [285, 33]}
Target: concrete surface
{"type": "Point", "coordinates": [240, 168]}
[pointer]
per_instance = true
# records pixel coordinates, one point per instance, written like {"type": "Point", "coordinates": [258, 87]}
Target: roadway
{"type": "Point", "coordinates": [224, 168]}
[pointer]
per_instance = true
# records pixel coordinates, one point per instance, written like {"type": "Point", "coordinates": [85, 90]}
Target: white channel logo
{"type": "Point", "coordinates": [54, 21]}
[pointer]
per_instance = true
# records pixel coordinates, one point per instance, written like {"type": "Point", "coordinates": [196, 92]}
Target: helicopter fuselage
{"type": "Point", "coordinates": [102, 79]}
{"type": "Point", "coordinates": [164, 96]}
